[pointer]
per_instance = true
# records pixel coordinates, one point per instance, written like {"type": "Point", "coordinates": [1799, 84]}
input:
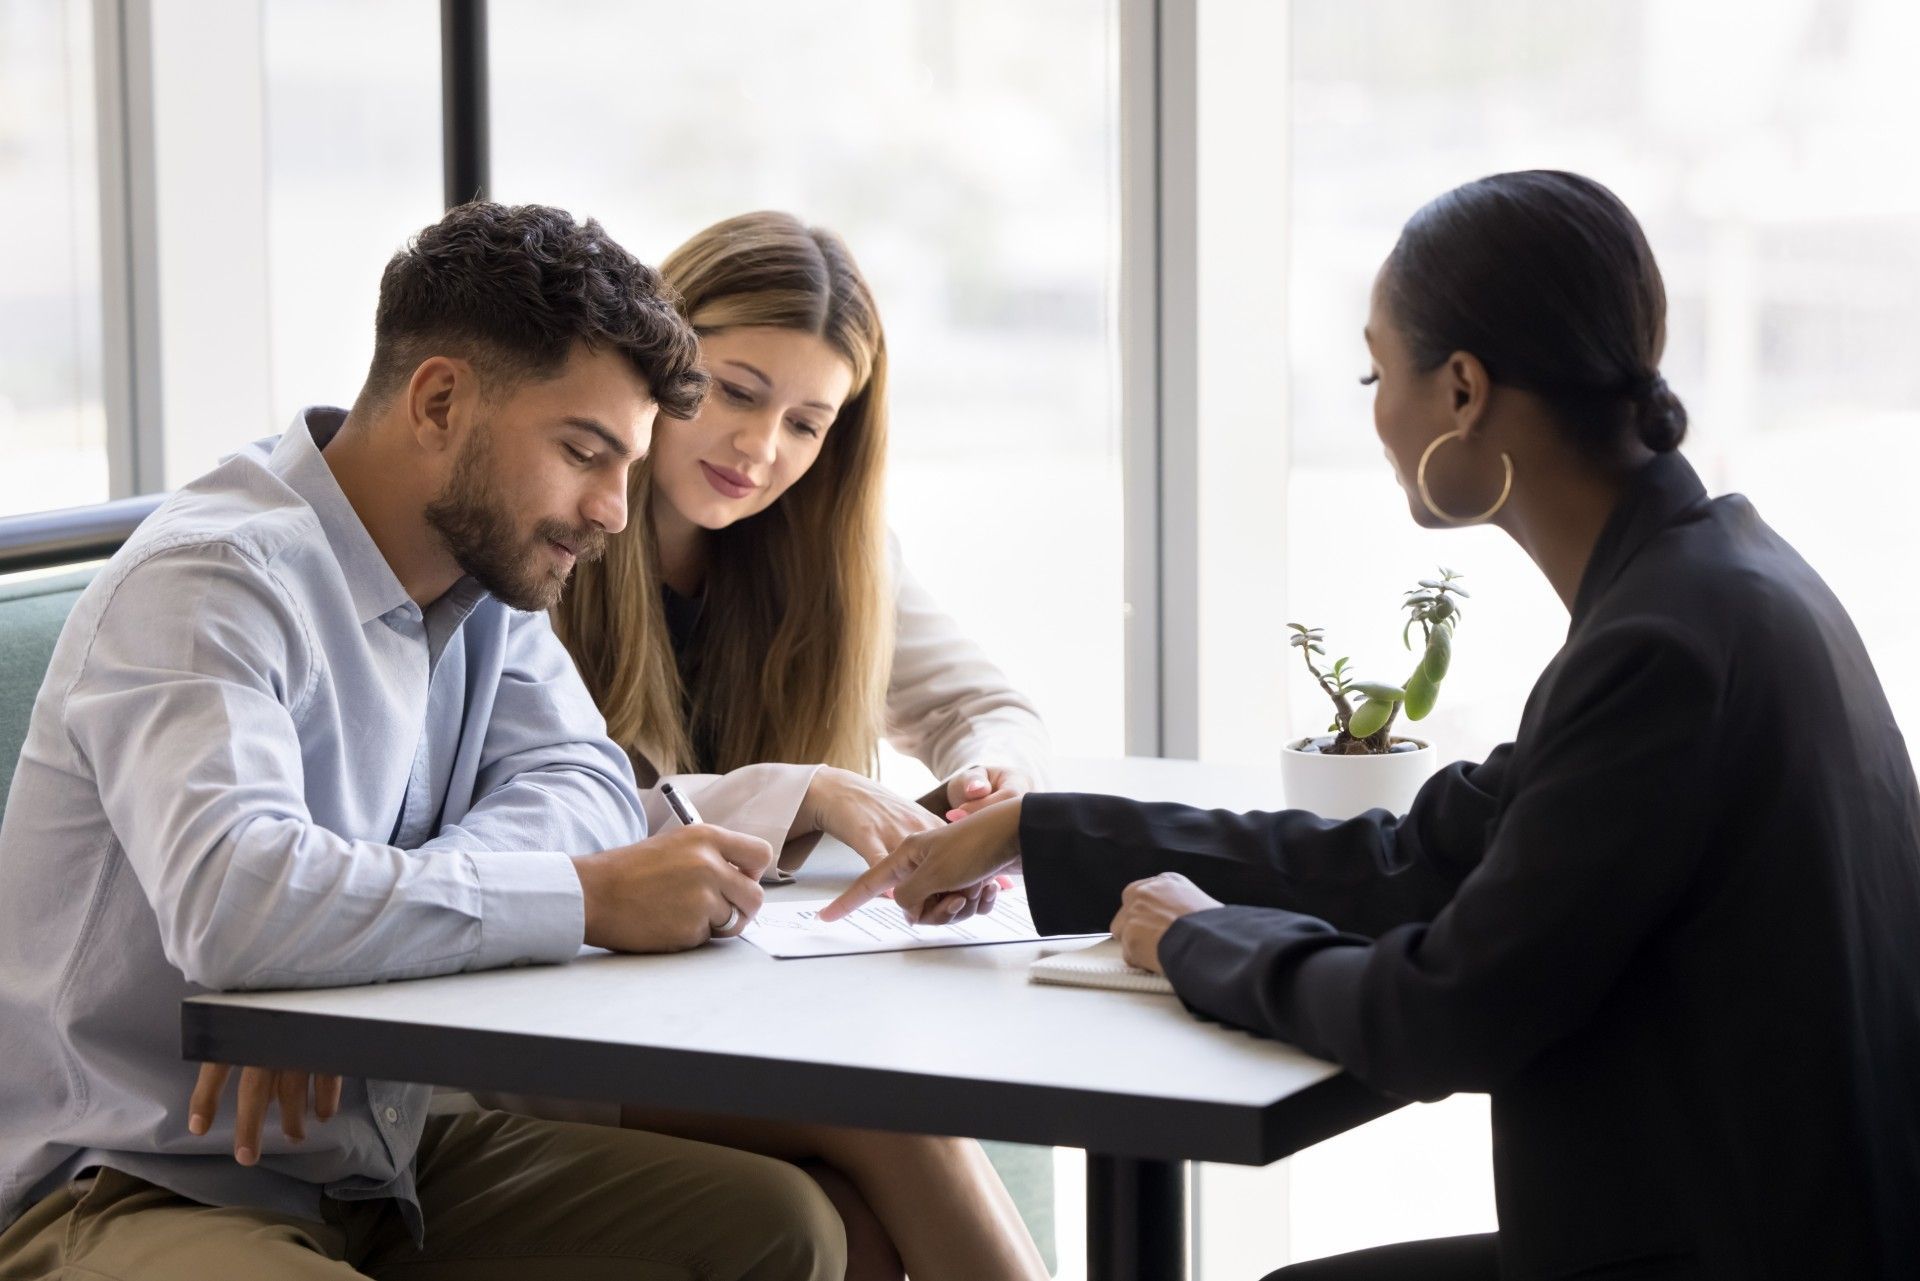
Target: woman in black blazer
{"type": "Point", "coordinates": [1673, 927]}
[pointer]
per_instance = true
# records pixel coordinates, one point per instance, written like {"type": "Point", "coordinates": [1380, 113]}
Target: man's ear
{"type": "Point", "coordinates": [439, 400]}
{"type": "Point", "coordinates": [1469, 389]}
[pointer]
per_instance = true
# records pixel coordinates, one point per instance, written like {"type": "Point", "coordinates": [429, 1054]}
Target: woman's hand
{"type": "Point", "coordinates": [978, 786]}
{"type": "Point", "coordinates": [945, 875]}
{"type": "Point", "coordinates": [1148, 909]}
{"type": "Point", "coordinates": [852, 808]}
{"type": "Point", "coordinates": [259, 1087]}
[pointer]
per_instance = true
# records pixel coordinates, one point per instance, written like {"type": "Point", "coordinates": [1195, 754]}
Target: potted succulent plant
{"type": "Point", "coordinates": [1360, 763]}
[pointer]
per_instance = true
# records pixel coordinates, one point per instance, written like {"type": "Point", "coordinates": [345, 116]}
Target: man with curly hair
{"type": "Point", "coordinates": [310, 727]}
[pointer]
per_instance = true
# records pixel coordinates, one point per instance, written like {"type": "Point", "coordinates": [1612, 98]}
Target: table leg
{"type": "Point", "coordinates": [1136, 1219]}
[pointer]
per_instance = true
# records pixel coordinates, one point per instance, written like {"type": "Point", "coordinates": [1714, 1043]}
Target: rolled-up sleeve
{"type": "Point", "coordinates": [185, 708]}
{"type": "Point", "coordinates": [758, 800]}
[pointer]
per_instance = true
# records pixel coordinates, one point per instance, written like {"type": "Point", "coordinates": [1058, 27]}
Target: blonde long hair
{"type": "Point", "coordinates": [794, 637]}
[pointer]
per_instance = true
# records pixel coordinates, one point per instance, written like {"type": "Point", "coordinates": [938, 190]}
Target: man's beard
{"type": "Point", "coordinates": [479, 533]}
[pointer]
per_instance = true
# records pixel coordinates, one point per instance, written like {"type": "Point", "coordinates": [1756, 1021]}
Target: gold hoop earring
{"type": "Point", "coordinates": [1426, 496]}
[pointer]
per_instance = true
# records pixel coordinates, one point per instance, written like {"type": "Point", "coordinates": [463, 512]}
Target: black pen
{"type": "Point", "coordinates": [682, 807]}
{"type": "Point", "coordinates": [683, 810]}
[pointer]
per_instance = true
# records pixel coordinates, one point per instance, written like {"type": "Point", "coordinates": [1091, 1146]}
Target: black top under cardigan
{"type": "Point", "coordinates": [684, 615]}
{"type": "Point", "coordinates": [1673, 928]}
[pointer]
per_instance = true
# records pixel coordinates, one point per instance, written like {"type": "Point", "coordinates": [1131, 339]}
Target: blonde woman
{"type": "Point", "coordinates": [755, 634]}
{"type": "Point", "coordinates": [753, 637]}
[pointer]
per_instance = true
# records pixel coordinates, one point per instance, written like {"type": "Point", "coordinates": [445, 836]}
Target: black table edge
{"type": "Point", "coordinates": [1153, 1128]}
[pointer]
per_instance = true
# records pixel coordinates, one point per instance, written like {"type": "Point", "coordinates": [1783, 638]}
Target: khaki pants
{"type": "Point", "coordinates": [506, 1198]}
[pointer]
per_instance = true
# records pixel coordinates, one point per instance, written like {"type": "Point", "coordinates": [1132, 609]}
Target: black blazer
{"type": "Point", "coordinates": [1673, 928]}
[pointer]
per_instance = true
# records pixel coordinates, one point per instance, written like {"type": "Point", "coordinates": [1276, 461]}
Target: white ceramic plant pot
{"type": "Point", "coordinates": [1344, 786]}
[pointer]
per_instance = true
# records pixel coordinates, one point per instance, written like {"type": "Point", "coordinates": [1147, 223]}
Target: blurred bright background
{"type": "Point", "coordinates": [970, 154]}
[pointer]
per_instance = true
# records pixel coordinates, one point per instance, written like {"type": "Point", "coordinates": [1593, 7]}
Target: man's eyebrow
{"type": "Point", "coordinates": [765, 381]}
{"type": "Point", "coordinates": [599, 429]}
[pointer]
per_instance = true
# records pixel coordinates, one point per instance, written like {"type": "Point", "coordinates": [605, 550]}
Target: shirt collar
{"type": "Point", "coordinates": [376, 590]}
{"type": "Point", "coordinates": [1663, 493]}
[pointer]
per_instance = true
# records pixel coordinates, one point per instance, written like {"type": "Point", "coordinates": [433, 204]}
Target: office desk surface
{"type": "Point", "coordinates": [952, 1040]}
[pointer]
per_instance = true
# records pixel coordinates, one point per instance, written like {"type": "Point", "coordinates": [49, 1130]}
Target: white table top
{"type": "Point", "coordinates": [954, 1040]}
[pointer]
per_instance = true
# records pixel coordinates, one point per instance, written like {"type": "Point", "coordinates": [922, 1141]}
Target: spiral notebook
{"type": "Point", "coordinates": [1098, 966]}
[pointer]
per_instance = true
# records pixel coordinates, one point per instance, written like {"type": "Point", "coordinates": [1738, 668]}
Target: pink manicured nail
{"type": "Point", "coordinates": [954, 816]}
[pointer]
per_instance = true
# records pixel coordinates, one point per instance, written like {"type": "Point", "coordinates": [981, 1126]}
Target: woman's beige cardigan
{"type": "Point", "coordinates": [947, 704]}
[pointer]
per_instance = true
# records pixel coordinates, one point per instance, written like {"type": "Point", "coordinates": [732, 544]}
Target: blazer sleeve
{"type": "Point", "coordinates": [947, 703]}
{"type": "Point", "coordinates": [1369, 873]}
{"type": "Point", "coordinates": [1599, 842]}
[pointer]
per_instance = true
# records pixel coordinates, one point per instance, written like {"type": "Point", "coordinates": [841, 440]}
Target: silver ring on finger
{"type": "Point", "coordinates": [726, 928]}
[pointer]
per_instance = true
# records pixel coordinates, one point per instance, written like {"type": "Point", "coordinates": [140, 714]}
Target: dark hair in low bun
{"type": "Point", "coordinates": [1547, 278]}
{"type": "Point", "coordinates": [1660, 418]}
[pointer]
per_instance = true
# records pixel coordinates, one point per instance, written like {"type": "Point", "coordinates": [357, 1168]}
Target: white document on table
{"type": "Point", "coordinates": [790, 930]}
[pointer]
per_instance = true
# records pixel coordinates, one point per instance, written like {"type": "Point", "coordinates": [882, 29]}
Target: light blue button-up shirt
{"type": "Point", "coordinates": [255, 762]}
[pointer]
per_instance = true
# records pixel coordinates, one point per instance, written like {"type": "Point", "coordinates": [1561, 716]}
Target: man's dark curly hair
{"type": "Point", "coordinates": [513, 288]}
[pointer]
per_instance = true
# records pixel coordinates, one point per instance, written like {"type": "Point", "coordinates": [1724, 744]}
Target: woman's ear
{"type": "Point", "coordinates": [1468, 389]}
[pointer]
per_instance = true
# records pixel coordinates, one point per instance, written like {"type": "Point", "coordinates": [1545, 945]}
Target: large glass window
{"type": "Point", "coordinates": [1754, 145]}
{"type": "Point", "coordinates": [967, 154]}
{"type": "Point", "coordinates": [53, 450]}
{"type": "Point", "coordinates": [296, 145]}
{"type": "Point", "coordinates": [352, 169]}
